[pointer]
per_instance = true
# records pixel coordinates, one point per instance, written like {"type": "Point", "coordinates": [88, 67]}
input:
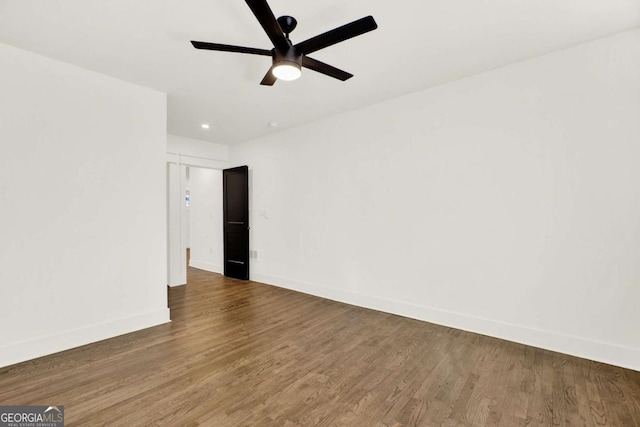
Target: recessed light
{"type": "Point", "coordinates": [274, 124]}
{"type": "Point", "coordinates": [205, 126]}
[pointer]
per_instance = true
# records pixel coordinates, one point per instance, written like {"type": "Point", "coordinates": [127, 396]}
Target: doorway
{"type": "Point", "coordinates": [195, 220]}
{"type": "Point", "coordinates": [202, 223]}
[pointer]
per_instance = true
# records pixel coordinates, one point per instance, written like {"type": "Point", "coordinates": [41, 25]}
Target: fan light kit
{"type": "Point", "coordinates": [286, 71]}
{"type": "Point", "coordinates": [287, 59]}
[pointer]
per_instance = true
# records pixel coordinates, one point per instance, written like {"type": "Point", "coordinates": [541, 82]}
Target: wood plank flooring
{"type": "Point", "coordinates": [248, 354]}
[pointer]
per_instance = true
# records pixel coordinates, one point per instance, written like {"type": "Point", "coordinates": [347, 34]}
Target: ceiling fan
{"type": "Point", "coordinates": [289, 58]}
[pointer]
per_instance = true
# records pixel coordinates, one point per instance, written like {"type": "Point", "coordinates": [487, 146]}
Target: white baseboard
{"type": "Point", "coordinates": [42, 346]}
{"type": "Point", "coordinates": [612, 354]}
{"type": "Point", "coordinates": [207, 266]}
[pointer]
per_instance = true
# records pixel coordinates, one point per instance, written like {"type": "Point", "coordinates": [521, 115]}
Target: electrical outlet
{"type": "Point", "coordinates": [253, 254]}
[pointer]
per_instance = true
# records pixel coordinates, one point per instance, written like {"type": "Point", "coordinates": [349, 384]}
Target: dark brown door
{"type": "Point", "coordinates": [235, 193]}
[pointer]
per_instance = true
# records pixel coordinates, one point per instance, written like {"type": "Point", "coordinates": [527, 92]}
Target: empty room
{"type": "Point", "coordinates": [278, 213]}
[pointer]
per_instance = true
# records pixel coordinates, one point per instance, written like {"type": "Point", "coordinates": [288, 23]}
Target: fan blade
{"type": "Point", "coordinates": [337, 35]}
{"type": "Point", "coordinates": [230, 48]}
{"type": "Point", "coordinates": [263, 13]}
{"type": "Point", "coordinates": [321, 67]}
{"type": "Point", "coordinates": [269, 79]}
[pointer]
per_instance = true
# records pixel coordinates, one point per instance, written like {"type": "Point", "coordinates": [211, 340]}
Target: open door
{"type": "Point", "coordinates": [235, 201]}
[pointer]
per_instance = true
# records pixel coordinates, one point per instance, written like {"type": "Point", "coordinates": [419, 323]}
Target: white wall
{"type": "Point", "coordinates": [82, 206]}
{"type": "Point", "coordinates": [207, 249]}
{"type": "Point", "coordinates": [183, 152]}
{"type": "Point", "coordinates": [507, 203]}
{"type": "Point", "coordinates": [186, 231]}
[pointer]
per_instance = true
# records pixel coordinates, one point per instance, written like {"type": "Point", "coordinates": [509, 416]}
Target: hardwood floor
{"type": "Point", "coordinates": [248, 354]}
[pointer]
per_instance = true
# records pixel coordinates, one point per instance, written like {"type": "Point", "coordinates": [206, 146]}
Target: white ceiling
{"type": "Point", "coordinates": [419, 43]}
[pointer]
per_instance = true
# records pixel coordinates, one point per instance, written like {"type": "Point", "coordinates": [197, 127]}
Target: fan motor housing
{"type": "Point", "coordinates": [289, 56]}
